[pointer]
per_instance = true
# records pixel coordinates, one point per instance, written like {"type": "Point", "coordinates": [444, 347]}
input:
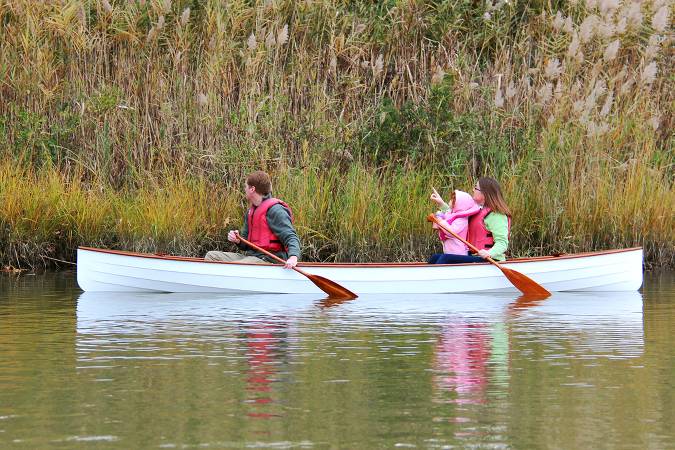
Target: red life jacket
{"type": "Point", "coordinates": [478, 234]}
{"type": "Point", "coordinates": [259, 231]}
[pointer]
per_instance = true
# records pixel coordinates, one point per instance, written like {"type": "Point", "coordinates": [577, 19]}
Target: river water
{"type": "Point", "coordinates": [83, 370]}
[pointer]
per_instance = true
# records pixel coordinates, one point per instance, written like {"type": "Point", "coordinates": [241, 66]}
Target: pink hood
{"type": "Point", "coordinates": [464, 206]}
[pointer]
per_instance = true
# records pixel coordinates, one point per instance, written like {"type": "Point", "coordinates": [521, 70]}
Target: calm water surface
{"type": "Point", "coordinates": [207, 371]}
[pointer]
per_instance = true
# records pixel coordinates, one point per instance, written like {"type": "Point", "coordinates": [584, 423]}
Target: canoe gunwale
{"type": "Point", "coordinates": [356, 265]}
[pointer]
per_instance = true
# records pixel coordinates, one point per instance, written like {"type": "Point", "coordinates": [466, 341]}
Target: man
{"type": "Point", "coordinates": [268, 224]}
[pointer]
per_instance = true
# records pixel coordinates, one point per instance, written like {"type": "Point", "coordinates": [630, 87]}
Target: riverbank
{"type": "Point", "coordinates": [131, 125]}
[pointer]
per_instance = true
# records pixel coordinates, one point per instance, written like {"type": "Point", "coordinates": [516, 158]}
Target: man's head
{"type": "Point", "coordinates": [258, 185]}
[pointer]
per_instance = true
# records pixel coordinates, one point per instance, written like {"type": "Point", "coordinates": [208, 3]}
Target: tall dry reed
{"type": "Point", "coordinates": [114, 105]}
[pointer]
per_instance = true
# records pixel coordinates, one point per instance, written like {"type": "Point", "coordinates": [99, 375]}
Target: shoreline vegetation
{"type": "Point", "coordinates": [132, 124]}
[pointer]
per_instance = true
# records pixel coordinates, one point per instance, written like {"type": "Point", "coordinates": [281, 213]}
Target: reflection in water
{"type": "Point", "coordinates": [588, 324]}
{"type": "Point", "coordinates": [461, 361]}
{"type": "Point", "coordinates": [194, 371]}
{"type": "Point", "coordinates": [333, 302]}
{"type": "Point", "coordinates": [475, 337]}
{"type": "Point", "coordinates": [523, 303]}
{"type": "Point", "coordinates": [263, 345]}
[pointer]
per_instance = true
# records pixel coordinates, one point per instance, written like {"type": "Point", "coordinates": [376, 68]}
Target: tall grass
{"type": "Point", "coordinates": [131, 124]}
{"type": "Point", "coordinates": [341, 215]}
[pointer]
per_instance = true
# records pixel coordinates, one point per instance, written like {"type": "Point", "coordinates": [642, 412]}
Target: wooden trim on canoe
{"type": "Point", "coordinates": [354, 265]}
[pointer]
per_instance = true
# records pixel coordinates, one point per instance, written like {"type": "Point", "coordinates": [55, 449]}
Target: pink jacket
{"type": "Point", "coordinates": [458, 221]}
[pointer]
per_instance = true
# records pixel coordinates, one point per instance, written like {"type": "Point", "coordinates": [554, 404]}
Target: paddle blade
{"type": "Point", "coordinates": [526, 285]}
{"type": "Point", "coordinates": [334, 290]}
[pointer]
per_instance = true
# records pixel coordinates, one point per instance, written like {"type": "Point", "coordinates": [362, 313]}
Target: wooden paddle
{"type": "Point", "coordinates": [523, 283]}
{"type": "Point", "coordinates": [334, 290]}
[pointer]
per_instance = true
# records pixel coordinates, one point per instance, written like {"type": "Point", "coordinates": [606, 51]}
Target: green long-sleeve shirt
{"type": "Point", "coordinates": [279, 221]}
{"type": "Point", "coordinates": [498, 225]}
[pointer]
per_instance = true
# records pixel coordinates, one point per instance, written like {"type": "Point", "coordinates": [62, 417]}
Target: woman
{"type": "Point", "coordinates": [488, 229]}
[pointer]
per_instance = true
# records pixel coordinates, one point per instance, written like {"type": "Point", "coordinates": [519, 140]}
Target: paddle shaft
{"type": "Point", "coordinates": [271, 255]}
{"type": "Point", "coordinates": [334, 290]}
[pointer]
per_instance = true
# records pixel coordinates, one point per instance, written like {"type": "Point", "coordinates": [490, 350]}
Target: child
{"type": "Point", "coordinates": [455, 217]}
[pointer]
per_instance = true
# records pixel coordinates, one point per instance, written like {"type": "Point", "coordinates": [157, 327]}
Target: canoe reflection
{"type": "Point", "coordinates": [473, 339]}
{"type": "Point", "coordinates": [98, 309]}
{"type": "Point", "coordinates": [606, 322]}
{"type": "Point", "coordinates": [271, 360]}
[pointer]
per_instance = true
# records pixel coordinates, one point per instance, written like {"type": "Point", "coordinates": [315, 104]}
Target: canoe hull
{"type": "Point", "coordinates": [111, 271]}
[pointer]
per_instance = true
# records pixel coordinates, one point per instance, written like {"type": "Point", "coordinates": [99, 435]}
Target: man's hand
{"type": "Point", "coordinates": [232, 236]}
{"type": "Point", "coordinates": [484, 254]}
{"type": "Point", "coordinates": [291, 262]}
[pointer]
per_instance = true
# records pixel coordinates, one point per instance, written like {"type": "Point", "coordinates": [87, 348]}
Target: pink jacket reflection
{"type": "Point", "coordinates": [462, 354]}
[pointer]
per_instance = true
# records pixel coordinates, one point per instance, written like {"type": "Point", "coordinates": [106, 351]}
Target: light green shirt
{"type": "Point", "coordinates": [498, 225]}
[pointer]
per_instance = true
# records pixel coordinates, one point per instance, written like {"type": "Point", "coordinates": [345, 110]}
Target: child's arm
{"type": "Point", "coordinates": [436, 198]}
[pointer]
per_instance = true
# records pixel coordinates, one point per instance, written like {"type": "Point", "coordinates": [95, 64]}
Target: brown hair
{"type": "Point", "coordinates": [260, 181]}
{"type": "Point", "coordinates": [494, 199]}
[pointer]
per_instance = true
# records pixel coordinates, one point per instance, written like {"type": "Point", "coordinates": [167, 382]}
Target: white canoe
{"type": "Point", "coordinates": [117, 271]}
